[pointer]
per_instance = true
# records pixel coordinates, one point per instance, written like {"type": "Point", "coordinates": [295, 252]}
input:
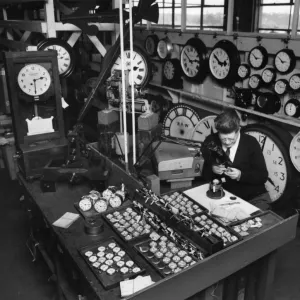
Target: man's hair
{"type": "Point", "coordinates": [227, 122]}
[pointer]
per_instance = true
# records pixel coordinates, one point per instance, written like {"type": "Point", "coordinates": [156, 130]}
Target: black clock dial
{"type": "Point", "coordinates": [294, 82]}
{"type": "Point", "coordinates": [281, 86]}
{"type": "Point", "coordinates": [151, 44]}
{"type": "Point", "coordinates": [258, 57]}
{"type": "Point", "coordinates": [244, 71]}
{"type": "Point", "coordinates": [292, 108]}
{"type": "Point", "coordinates": [268, 103]}
{"type": "Point", "coordinates": [285, 61]}
{"type": "Point", "coordinates": [268, 75]}
{"type": "Point", "coordinates": [193, 60]}
{"type": "Point", "coordinates": [255, 81]}
{"type": "Point", "coordinates": [172, 73]}
{"type": "Point", "coordinates": [180, 121]}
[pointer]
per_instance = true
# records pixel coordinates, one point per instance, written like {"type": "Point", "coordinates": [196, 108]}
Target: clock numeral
{"type": "Point", "coordinates": [127, 54]}
{"type": "Point", "coordinates": [280, 160]}
{"type": "Point", "coordinates": [277, 188]}
{"type": "Point", "coordinates": [282, 177]}
{"type": "Point", "coordinates": [184, 110]}
{"type": "Point", "coordinates": [23, 74]}
{"type": "Point", "coordinates": [207, 125]}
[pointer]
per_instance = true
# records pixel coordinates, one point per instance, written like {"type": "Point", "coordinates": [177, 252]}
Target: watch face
{"type": "Point", "coordinates": [100, 205]}
{"type": "Point", "coordinates": [280, 86]}
{"type": "Point", "coordinates": [140, 67]}
{"type": "Point", "coordinates": [151, 45]}
{"type": "Point", "coordinates": [115, 201]}
{"type": "Point", "coordinates": [294, 82]}
{"type": "Point", "coordinates": [34, 79]}
{"type": "Point", "coordinates": [219, 63]}
{"type": "Point", "coordinates": [243, 71]}
{"type": "Point", "coordinates": [204, 128]}
{"type": "Point", "coordinates": [85, 204]}
{"type": "Point", "coordinates": [169, 70]}
{"type": "Point", "coordinates": [268, 75]}
{"type": "Point", "coordinates": [258, 57]}
{"type": "Point", "coordinates": [180, 121]}
{"type": "Point", "coordinates": [284, 61]}
{"type": "Point", "coordinates": [290, 109]}
{"type": "Point", "coordinates": [254, 81]}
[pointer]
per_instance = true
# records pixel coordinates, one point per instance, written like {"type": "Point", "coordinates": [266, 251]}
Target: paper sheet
{"type": "Point", "coordinates": [66, 220]}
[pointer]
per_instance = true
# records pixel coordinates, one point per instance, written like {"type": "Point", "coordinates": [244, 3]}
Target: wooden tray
{"type": "Point", "coordinates": [110, 281]}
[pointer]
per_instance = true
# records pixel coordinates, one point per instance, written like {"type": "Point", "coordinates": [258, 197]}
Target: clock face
{"type": "Point", "coordinates": [285, 61]}
{"type": "Point", "coordinates": [243, 71]}
{"type": "Point", "coordinates": [295, 151]}
{"type": "Point", "coordinates": [180, 121]}
{"type": "Point", "coordinates": [204, 128]}
{"type": "Point", "coordinates": [258, 57]}
{"type": "Point", "coordinates": [100, 205]}
{"type": "Point", "coordinates": [292, 108]}
{"type": "Point", "coordinates": [85, 204]}
{"type": "Point", "coordinates": [151, 45]}
{"type": "Point", "coordinates": [294, 82]}
{"type": "Point", "coordinates": [219, 63]}
{"type": "Point", "coordinates": [115, 201]}
{"type": "Point", "coordinates": [34, 79]}
{"type": "Point", "coordinates": [140, 67]}
{"type": "Point", "coordinates": [169, 70]}
{"type": "Point", "coordinates": [164, 48]}
{"type": "Point", "coordinates": [268, 75]}
{"type": "Point", "coordinates": [276, 164]}
{"type": "Point", "coordinates": [280, 86]}
{"type": "Point", "coordinates": [190, 61]}
{"type": "Point", "coordinates": [254, 81]}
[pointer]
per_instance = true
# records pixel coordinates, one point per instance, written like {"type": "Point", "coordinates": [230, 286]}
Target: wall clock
{"type": "Point", "coordinates": [244, 71]}
{"type": "Point", "coordinates": [65, 54]}
{"type": "Point", "coordinates": [193, 60]}
{"type": "Point", "coordinates": [150, 45]}
{"type": "Point", "coordinates": [142, 70]}
{"type": "Point", "coordinates": [292, 108]}
{"type": "Point", "coordinates": [281, 86]}
{"type": "Point", "coordinates": [268, 75]}
{"type": "Point", "coordinates": [172, 74]}
{"type": "Point", "coordinates": [285, 61]}
{"type": "Point", "coordinates": [204, 128]}
{"type": "Point", "coordinates": [294, 82]}
{"type": "Point", "coordinates": [295, 151]}
{"type": "Point", "coordinates": [268, 103]}
{"type": "Point", "coordinates": [224, 61]}
{"type": "Point", "coordinates": [180, 121]}
{"type": "Point", "coordinates": [164, 48]}
{"type": "Point", "coordinates": [274, 143]}
{"type": "Point", "coordinates": [255, 81]}
{"type": "Point", "coordinates": [258, 57]}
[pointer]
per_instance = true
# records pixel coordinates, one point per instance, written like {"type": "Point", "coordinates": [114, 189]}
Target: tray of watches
{"type": "Point", "coordinates": [128, 223]}
{"type": "Point", "coordinates": [110, 263]}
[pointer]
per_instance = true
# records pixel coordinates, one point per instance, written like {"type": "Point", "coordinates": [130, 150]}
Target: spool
{"type": "Point", "coordinates": [120, 143]}
{"type": "Point", "coordinates": [93, 227]}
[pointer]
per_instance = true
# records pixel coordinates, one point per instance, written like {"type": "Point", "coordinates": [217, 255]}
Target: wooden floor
{"type": "Point", "coordinates": [20, 278]}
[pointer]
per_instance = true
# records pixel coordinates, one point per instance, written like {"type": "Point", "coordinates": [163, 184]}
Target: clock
{"type": "Point", "coordinates": [193, 60]}
{"type": "Point", "coordinates": [243, 71]}
{"type": "Point", "coordinates": [141, 66]}
{"type": "Point", "coordinates": [292, 108]}
{"type": "Point", "coordinates": [204, 128]}
{"type": "Point", "coordinates": [268, 75]}
{"type": "Point", "coordinates": [244, 98]}
{"type": "Point", "coordinates": [115, 201]}
{"type": "Point", "coordinates": [285, 61]}
{"type": "Point", "coordinates": [85, 203]}
{"type": "Point", "coordinates": [295, 151]}
{"type": "Point", "coordinates": [172, 74]}
{"type": "Point", "coordinates": [65, 54]}
{"type": "Point", "coordinates": [255, 81]}
{"type": "Point", "coordinates": [274, 142]}
{"type": "Point", "coordinates": [164, 48]}
{"type": "Point", "coordinates": [150, 45]}
{"type": "Point", "coordinates": [268, 103]}
{"type": "Point", "coordinates": [294, 82]}
{"type": "Point", "coordinates": [100, 205]}
{"type": "Point", "coordinates": [258, 57]}
{"type": "Point", "coordinates": [180, 121]}
{"type": "Point", "coordinates": [224, 61]}
{"type": "Point", "coordinates": [281, 86]}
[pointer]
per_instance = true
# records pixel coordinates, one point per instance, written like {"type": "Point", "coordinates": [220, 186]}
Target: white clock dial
{"type": "Point", "coordinates": [180, 122]}
{"type": "Point", "coordinates": [282, 62]}
{"type": "Point", "coordinates": [100, 205]}
{"type": "Point", "coordinates": [219, 63]}
{"type": "Point", "coordinates": [243, 71]}
{"type": "Point", "coordinates": [169, 70]}
{"type": "Point", "coordinates": [295, 151]}
{"type": "Point", "coordinates": [294, 82]}
{"type": "Point", "coordinates": [290, 109]}
{"type": "Point", "coordinates": [276, 165]}
{"type": "Point", "coordinates": [280, 86]}
{"type": "Point", "coordinates": [34, 79]}
{"type": "Point", "coordinates": [140, 68]}
{"type": "Point", "coordinates": [204, 128]}
{"type": "Point", "coordinates": [254, 81]}
{"type": "Point", "coordinates": [85, 204]}
{"type": "Point", "coordinates": [268, 75]}
{"type": "Point", "coordinates": [190, 61]}
{"type": "Point", "coordinates": [256, 58]}
{"type": "Point", "coordinates": [115, 201]}
{"type": "Point", "coordinates": [63, 57]}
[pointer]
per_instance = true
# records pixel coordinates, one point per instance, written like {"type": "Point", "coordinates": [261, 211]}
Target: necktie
{"type": "Point", "coordinates": [228, 152]}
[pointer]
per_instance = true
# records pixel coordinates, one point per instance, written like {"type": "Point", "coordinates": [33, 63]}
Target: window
{"type": "Point", "coordinates": [275, 16]}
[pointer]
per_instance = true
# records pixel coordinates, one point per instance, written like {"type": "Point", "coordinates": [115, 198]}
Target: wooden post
{"type": "Point", "coordinates": [50, 19]}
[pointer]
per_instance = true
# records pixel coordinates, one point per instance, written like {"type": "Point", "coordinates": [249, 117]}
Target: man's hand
{"type": "Point", "coordinates": [218, 169]}
{"type": "Point", "coordinates": [233, 173]}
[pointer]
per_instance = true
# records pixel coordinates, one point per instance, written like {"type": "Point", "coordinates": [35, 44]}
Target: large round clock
{"type": "Point", "coordinates": [193, 60]}
{"type": "Point", "coordinates": [224, 61]}
{"type": "Point", "coordinates": [204, 128]}
{"type": "Point", "coordinates": [285, 61]}
{"type": "Point", "coordinates": [274, 143]}
{"type": "Point", "coordinates": [258, 57]}
{"type": "Point", "coordinates": [141, 66]}
{"type": "Point", "coordinates": [65, 54]}
{"type": "Point", "coordinates": [180, 121]}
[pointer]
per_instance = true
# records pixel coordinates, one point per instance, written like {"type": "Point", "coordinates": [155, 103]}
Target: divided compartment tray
{"type": "Point", "coordinates": [268, 219]}
{"type": "Point", "coordinates": [110, 281]}
{"type": "Point", "coordinates": [120, 233]}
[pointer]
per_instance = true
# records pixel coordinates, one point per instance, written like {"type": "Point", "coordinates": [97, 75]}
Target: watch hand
{"type": "Point", "coordinates": [271, 181]}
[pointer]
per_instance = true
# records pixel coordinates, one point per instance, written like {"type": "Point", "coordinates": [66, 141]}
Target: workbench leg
{"type": "Point", "coordinates": [211, 293]}
{"type": "Point", "coordinates": [251, 281]}
{"type": "Point", "coordinates": [230, 290]}
{"type": "Point", "coordinates": [266, 277]}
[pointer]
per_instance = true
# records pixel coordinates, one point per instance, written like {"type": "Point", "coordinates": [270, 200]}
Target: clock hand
{"type": "Point", "coordinates": [188, 58]}
{"type": "Point", "coordinates": [282, 61]}
{"type": "Point", "coordinates": [34, 80]}
{"type": "Point", "coordinates": [219, 63]}
{"type": "Point", "coordinates": [271, 181]}
{"type": "Point", "coordinates": [254, 56]}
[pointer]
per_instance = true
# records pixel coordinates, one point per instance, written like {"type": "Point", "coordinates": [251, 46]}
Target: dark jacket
{"type": "Point", "coordinates": [249, 160]}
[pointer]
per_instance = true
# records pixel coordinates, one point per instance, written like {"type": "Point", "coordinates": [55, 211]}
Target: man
{"type": "Point", "coordinates": [248, 173]}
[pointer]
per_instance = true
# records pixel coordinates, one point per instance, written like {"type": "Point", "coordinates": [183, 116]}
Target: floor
{"type": "Point", "coordinates": [20, 278]}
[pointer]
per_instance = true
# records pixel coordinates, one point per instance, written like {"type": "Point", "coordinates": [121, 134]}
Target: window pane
{"type": "Point", "coordinates": [276, 17]}
{"type": "Point", "coordinates": [213, 16]}
{"type": "Point", "coordinates": [193, 2]}
{"type": "Point", "coordinates": [193, 17]}
{"type": "Point", "coordinates": [165, 16]}
{"type": "Point", "coordinates": [275, 1]}
{"type": "Point", "coordinates": [177, 19]}
{"type": "Point", "coordinates": [178, 3]}
{"type": "Point", "coordinates": [214, 2]}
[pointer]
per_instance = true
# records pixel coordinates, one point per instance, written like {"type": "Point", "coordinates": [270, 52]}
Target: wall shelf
{"type": "Point", "coordinates": [275, 117]}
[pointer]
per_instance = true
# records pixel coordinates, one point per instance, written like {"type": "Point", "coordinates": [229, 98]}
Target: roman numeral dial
{"type": "Point", "coordinates": [204, 128]}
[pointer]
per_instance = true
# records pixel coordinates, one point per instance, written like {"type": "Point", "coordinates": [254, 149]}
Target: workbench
{"type": "Point", "coordinates": [246, 267]}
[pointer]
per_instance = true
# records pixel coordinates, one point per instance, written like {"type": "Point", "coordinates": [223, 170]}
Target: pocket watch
{"type": "Point", "coordinates": [164, 48]}
{"type": "Point", "coordinates": [258, 57]}
{"type": "Point", "coordinates": [100, 205]}
{"type": "Point", "coordinates": [285, 61]}
{"type": "Point", "coordinates": [274, 142]}
{"type": "Point", "coordinates": [151, 44]}
{"type": "Point", "coordinates": [193, 60]}
{"type": "Point", "coordinates": [268, 75]}
{"type": "Point", "coordinates": [243, 71]}
{"type": "Point", "coordinates": [141, 66]}
{"type": "Point", "coordinates": [172, 74]}
{"type": "Point", "coordinates": [255, 81]}
{"type": "Point", "coordinates": [294, 82]}
{"type": "Point", "coordinates": [180, 121]}
{"type": "Point", "coordinates": [292, 108]}
{"type": "Point", "coordinates": [224, 61]}
{"type": "Point", "coordinates": [281, 86]}
{"type": "Point", "coordinates": [204, 128]}
{"type": "Point", "coordinates": [65, 54]}
{"type": "Point", "coordinates": [85, 203]}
